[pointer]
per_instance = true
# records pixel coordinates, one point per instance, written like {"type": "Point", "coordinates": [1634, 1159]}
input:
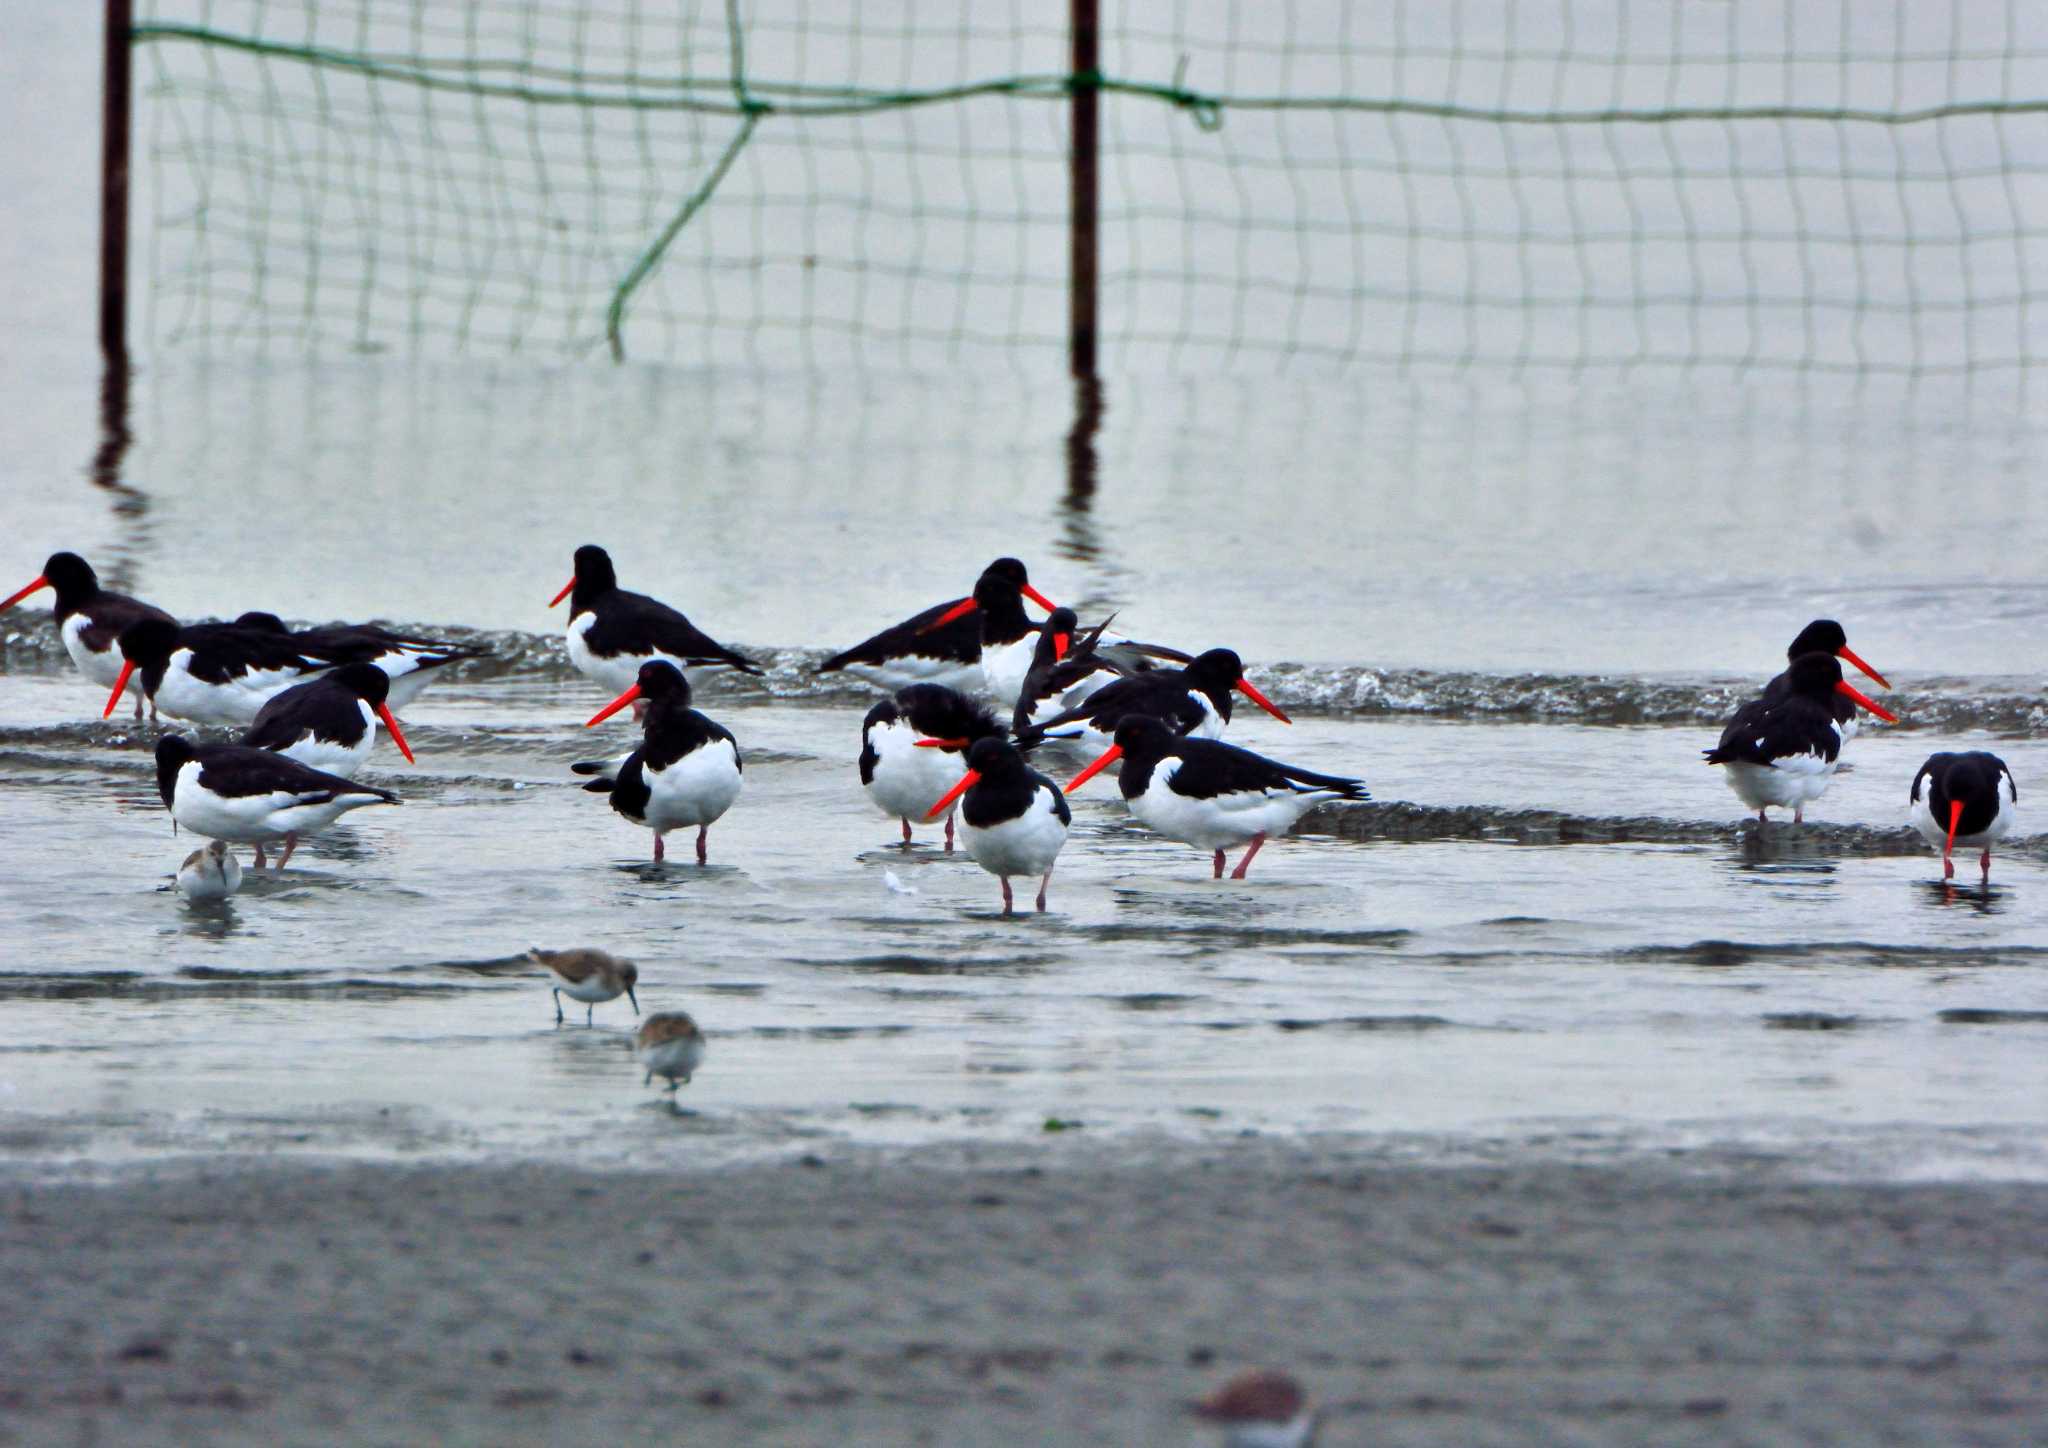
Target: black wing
{"type": "Point", "coordinates": [235, 772]}
{"type": "Point", "coordinates": [959, 641]}
{"type": "Point", "coordinates": [328, 710]}
{"type": "Point", "coordinates": [1162, 694]}
{"type": "Point", "coordinates": [1209, 768]}
{"type": "Point", "coordinates": [633, 623]}
{"type": "Point", "coordinates": [109, 614]}
{"type": "Point", "coordinates": [347, 643]}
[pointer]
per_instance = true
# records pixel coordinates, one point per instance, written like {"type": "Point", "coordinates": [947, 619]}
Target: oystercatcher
{"type": "Point", "coordinates": [686, 771]}
{"type": "Point", "coordinates": [209, 673]}
{"type": "Point", "coordinates": [941, 645]}
{"type": "Point", "coordinates": [1208, 794]}
{"type": "Point", "coordinates": [1193, 700]}
{"type": "Point", "coordinates": [612, 632]}
{"type": "Point", "coordinates": [911, 745]}
{"type": "Point", "coordinates": [1783, 751]}
{"type": "Point", "coordinates": [212, 873]}
{"type": "Point", "coordinates": [1014, 820]}
{"type": "Point", "coordinates": [89, 618]}
{"type": "Point", "coordinates": [407, 660]}
{"type": "Point", "coordinates": [330, 722]}
{"type": "Point", "coordinates": [1825, 636]}
{"type": "Point", "coordinates": [251, 796]}
{"type": "Point", "coordinates": [1008, 636]}
{"type": "Point", "coordinates": [1964, 799]}
{"type": "Point", "coordinates": [589, 976]}
{"type": "Point", "coordinates": [669, 1044]}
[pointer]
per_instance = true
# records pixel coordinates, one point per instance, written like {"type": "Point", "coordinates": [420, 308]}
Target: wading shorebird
{"type": "Point", "coordinates": [1193, 700]}
{"type": "Point", "coordinates": [911, 747]}
{"type": "Point", "coordinates": [409, 662]}
{"type": "Point", "coordinates": [209, 673]}
{"type": "Point", "coordinates": [1825, 636]}
{"type": "Point", "coordinates": [687, 770]}
{"type": "Point", "coordinates": [330, 722]}
{"type": "Point", "coordinates": [212, 873]}
{"type": "Point", "coordinates": [1964, 799]}
{"type": "Point", "coordinates": [669, 1044]}
{"type": "Point", "coordinates": [613, 633]}
{"type": "Point", "coordinates": [941, 645]}
{"type": "Point", "coordinates": [90, 619]}
{"type": "Point", "coordinates": [251, 796]}
{"type": "Point", "coordinates": [1784, 751]}
{"type": "Point", "coordinates": [1013, 819]}
{"type": "Point", "coordinates": [589, 976]}
{"type": "Point", "coordinates": [1261, 1409]}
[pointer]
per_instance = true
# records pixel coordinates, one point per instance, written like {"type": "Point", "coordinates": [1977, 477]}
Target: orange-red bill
{"type": "Point", "coordinates": [967, 782]}
{"type": "Point", "coordinates": [40, 582]}
{"type": "Point", "coordinates": [384, 713]}
{"type": "Point", "coordinates": [1850, 654]}
{"type": "Point", "coordinates": [1059, 646]}
{"type": "Point", "coordinates": [1109, 756]}
{"type": "Point", "coordinates": [1244, 687]}
{"type": "Point", "coordinates": [942, 744]}
{"type": "Point", "coordinates": [127, 668]}
{"type": "Point", "coordinates": [567, 589]}
{"type": "Point", "coordinates": [1036, 597]}
{"type": "Point", "coordinates": [1843, 686]}
{"type": "Point", "coordinates": [612, 708]}
{"type": "Point", "coordinates": [1955, 817]}
{"type": "Point", "coordinates": [959, 610]}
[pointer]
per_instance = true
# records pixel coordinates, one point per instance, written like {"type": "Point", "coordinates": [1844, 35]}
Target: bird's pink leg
{"type": "Point", "coordinates": [1985, 861]}
{"type": "Point", "coordinates": [949, 832]}
{"type": "Point", "coordinates": [906, 834]}
{"type": "Point", "coordinates": [1042, 884]}
{"type": "Point", "coordinates": [1219, 865]}
{"type": "Point", "coordinates": [259, 857]}
{"type": "Point", "coordinates": [1763, 817]}
{"type": "Point", "coordinates": [291, 842]}
{"type": "Point", "coordinates": [1948, 868]}
{"type": "Point", "coordinates": [1008, 903]}
{"type": "Point", "coordinates": [1798, 814]}
{"type": "Point", "coordinates": [660, 851]}
{"type": "Point", "coordinates": [1245, 864]}
{"type": "Point", "coordinates": [703, 833]}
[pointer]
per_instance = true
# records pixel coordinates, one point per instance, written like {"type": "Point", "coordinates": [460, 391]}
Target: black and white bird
{"type": "Point", "coordinates": [1825, 636]}
{"type": "Point", "coordinates": [1069, 664]}
{"type": "Point", "coordinates": [1964, 799]}
{"type": "Point", "coordinates": [1211, 795]}
{"type": "Point", "coordinates": [252, 796]}
{"type": "Point", "coordinates": [687, 770]}
{"type": "Point", "coordinates": [330, 722]}
{"type": "Point", "coordinates": [90, 618]}
{"type": "Point", "coordinates": [1013, 819]}
{"type": "Point", "coordinates": [1193, 700]}
{"type": "Point", "coordinates": [210, 873]}
{"type": "Point", "coordinates": [209, 673]}
{"type": "Point", "coordinates": [941, 645]}
{"type": "Point", "coordinates": [1008, 634]}
{"type": "Point", "coordinates": [911, 747]}
{"type": "Point", "coordinates": [612, 632]}
{"type": "Point", "coordinates": [409, 661]}
{"type": "Point", "coordinates": [1783, 751]}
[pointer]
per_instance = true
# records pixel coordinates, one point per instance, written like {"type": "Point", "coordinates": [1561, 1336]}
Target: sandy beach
{"type": "Point", "coordinates": [1062, 1294]}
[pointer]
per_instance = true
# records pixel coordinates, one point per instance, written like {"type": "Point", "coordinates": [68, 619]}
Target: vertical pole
{"type": "Point", "coordinates": [1082, 189]}
{"type": "Point", "coordinates": [114, 126]}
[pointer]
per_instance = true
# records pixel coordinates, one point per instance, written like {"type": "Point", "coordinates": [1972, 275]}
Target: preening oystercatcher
{"type": "Point", "coordinates": [89, 618]}
{"type": "Point", "coordinates": [407, 660]}
{"type": "Point", "coordinates": [209, 673]}
{"type": "Point", "coordinates": [1194, 700]}
{"type": "Point", "coordinates": [1825, 636]}
{"type": "Point", "coordinates": [1964, 799]}
{"type": "Point", "coordinates": [330, 722]}
{"type": "Point", "coordinates": [252, 796]}
{"type": "Point", "coordinates": [1783, 751]}
{"type": "Point", "coordinates": [1211, 795]}
{"type": "Point", "coordinates": [612, 632]}
{"type": "Point", "coordinates": [911, 747]}
{"type": "Point", "coordinates": [686, 771]}
{"type": "Point", "coordinates": [589, 976]}
{"type": "Point", "coordinates": [941, 645]}
{"type": "Point", "coordinates": [1013, 819]}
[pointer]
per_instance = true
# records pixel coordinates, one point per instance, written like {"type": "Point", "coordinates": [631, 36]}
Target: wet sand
{"type": "Point", "coordinates": [1063, 1293]}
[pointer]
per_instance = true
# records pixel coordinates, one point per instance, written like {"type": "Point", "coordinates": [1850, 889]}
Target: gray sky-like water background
{"type": "Point", "coordinates": [1516, 596]}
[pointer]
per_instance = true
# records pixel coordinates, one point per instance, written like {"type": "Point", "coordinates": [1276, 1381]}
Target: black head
{"type": "Point", "coordinates": [661, 682]}
{"type": "Point", "coordinates": [263, 622]}
{"type": "Point", "coordinates": [1822, 636]}
{"type": "Point", "coordinates": [149, 642]}
{"type": "Point", "coordinates": [1144, 736]}
{"type": "Point", "coordinates": [366, 681]}
{"type": "Point", "coordinates": [884, 712]}
{"type": "Point", "coordinates": [996, 759]}
{"type": "Point", "coordinates": [1010, 568]}
{"type": "Point", "coordinates": [71, 576]}
{"type": "Point", "coordinates": [173, 753]}
{"type": "Point", "coordinates": [1220, 667]}
{"type": "Point", "coordinates": [1814, 675]}
{"type": "Point", "coordinates": [594, 570]}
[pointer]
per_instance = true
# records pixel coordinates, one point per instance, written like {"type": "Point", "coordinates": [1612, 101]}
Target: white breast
{"type": "Point", "coordinates": [1003, 668]}
{"type": "Point", "coordinates": [102, 669]}
{"type": "Point", "coordinates": [909, 781]}
{"type": "Point", "coordinates": [1027, 845]}
{"type": "Point", "coordinates": [238, 701]}
{"type": "Point", "coordinates": [1225, 821]}
{"type": "Point", "coordinates": [696, 789]}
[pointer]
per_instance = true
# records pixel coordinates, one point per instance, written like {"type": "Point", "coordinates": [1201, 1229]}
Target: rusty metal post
{"type": "Point", "coordinates": [115, 105]}
{"type": "Point", "coordinates": [1082, 188]}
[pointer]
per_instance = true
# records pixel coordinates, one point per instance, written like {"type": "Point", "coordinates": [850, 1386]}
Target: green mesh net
{"type": "Point", "coordinates": [1772, 185]}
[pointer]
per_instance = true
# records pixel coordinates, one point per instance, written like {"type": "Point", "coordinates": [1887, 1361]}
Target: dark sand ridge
{"type": "Point", "coordinates": [1071, 1294]}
